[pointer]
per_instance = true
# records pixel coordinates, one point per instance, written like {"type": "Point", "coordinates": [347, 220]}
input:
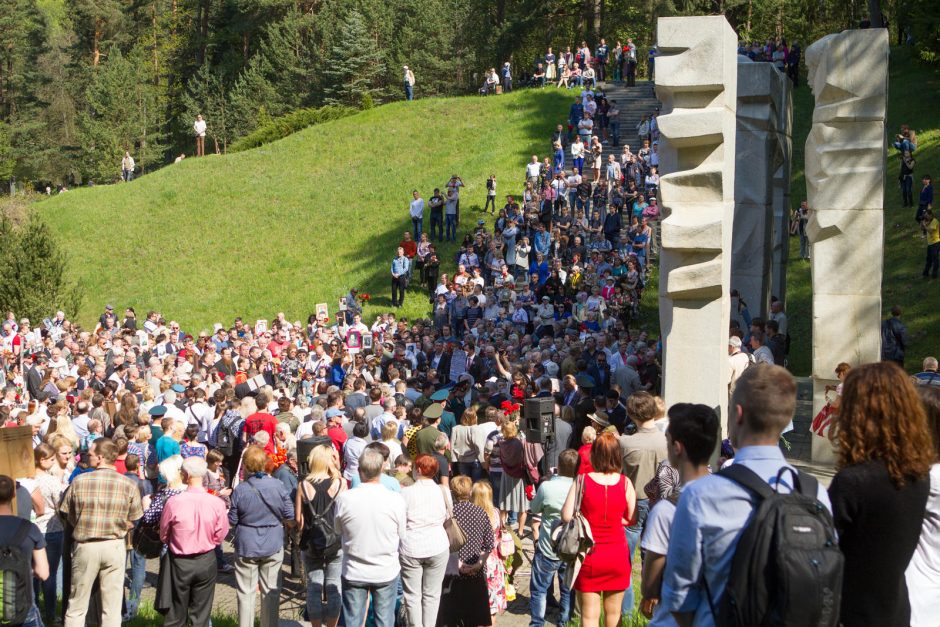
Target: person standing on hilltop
{"type": "Point", "coordinates": [417, 213]}
{"type": "Point", "coordinates": [199, 128]}
{"type": "Point", "coordinates": [409, 82]}
{"type": "Point", "coordinates": [400, 268]}
{"type": "Point", "coordinates": [127, 167]}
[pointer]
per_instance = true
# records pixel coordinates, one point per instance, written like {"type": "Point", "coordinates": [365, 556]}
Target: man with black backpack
{"type": "Point", "coordinates": [754, 544]}
{"type": "Point", "coordinates": [22, 557]}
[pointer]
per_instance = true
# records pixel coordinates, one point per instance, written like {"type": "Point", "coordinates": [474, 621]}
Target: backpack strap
{"type": "Point", "coordinates": [744, 476]}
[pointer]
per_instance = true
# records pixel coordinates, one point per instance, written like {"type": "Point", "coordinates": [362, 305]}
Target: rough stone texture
{"type": "Point", "coordinates": [780, 229]}
{"type": "Point", "coordinates": [845, 168]}
{"type": "Point", "coordinates": [759, 160]}
{"type": "Point", "coordinates": [696, 79]}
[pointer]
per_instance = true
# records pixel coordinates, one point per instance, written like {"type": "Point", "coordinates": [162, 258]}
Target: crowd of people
{"type": "Point", "coordinates": [398, 461]}
{"type": "Point", "coordinates": [583, 67]}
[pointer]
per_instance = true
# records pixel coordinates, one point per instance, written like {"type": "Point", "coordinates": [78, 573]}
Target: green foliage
{"type": "Point", "coordinates": [33, 270]}
{"type": "Point", "coordinates": [7, 161]}
{"type": "Point", "coordinates": [205, 95]}
{"type": "Point", "coordinates": [354, 64]}
{"type": "Point", "coordinates": [123, 115]}
{"type": "Point", "coordinates": [294, 121]}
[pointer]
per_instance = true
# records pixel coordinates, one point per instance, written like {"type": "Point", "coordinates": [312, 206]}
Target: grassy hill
{"type": "Point", "coordinates": [910, 84]}
{"type": "Point", "coordinates": [296, 222]}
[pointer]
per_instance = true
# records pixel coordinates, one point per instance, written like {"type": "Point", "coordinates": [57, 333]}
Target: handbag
{"type": "Point", "coordinates": [456, 537]}
{"type": "Point", "coordinates": [573, 539]}
{"type": "Point", "coordinates": [146, 540]}
{"type": "Point", "coordinates": [822, 423]}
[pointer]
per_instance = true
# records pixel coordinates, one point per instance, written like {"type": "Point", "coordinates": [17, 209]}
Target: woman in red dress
{"type": "Point", "coordinates": [609, 505]}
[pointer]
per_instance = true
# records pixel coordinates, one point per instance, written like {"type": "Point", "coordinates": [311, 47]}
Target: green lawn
{"type": "Point", "coordinates": [296, 222]}
{"type": "Point", "coordinates": [910, 101]}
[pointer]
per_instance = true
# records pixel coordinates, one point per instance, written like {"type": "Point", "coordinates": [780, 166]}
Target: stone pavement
{"type": "Point", "coordinates": [293, 594]}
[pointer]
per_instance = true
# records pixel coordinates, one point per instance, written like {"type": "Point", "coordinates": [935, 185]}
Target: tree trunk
{"type": "Point", "coordinates": [874, 14]}
{"type": "Point", "coordinates": [597, 20]}
{"type": "Point", "coordinates": [95, 45]}
{"type": "Point", "coordinates": [205, 5]}
{"type": "Point", "coordinates": [750, 12]}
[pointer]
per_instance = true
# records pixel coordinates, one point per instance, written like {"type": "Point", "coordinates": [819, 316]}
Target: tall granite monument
{"type": "Point", "coordinates": [780, 229]}
{"type": "Point", "coordinates": [696, 80]}
{"type": "Point", "coordinates": [845, 169]}
{"type": "Point", "coordinates": [761, 156]}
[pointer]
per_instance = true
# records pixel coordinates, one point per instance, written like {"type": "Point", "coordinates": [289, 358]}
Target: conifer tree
{"type": "Point", "coordinates": [354, 65]}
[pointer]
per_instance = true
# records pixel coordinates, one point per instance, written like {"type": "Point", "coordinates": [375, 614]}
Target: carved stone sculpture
{"type": "Point", "coordinates": [759, 160]}
{"type": "Point", "coordinates": [845, 169]}
{"type": "Point", "coordinates": [780, 229]}
{"type": "Point", "coordinates": [696, 80]}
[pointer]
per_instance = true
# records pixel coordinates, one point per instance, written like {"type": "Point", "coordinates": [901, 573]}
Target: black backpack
{"type": "Point", "coordinates": [227, 435]}
{"type": "Point", "coordinates": [16, 578]}
{"type": "Point", "coordinates": [787, 567]}
{"type": "Point", "coordinates": [319, 539]}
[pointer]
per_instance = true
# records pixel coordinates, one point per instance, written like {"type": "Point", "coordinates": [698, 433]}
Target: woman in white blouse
{"type": "Point", "coordinates": [424, 546]}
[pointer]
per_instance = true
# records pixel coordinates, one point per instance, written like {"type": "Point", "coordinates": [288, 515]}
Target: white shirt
{"type": "Point", "coordinates": [371, 520]}
{"type": "Point", "coordinates": [923, 573]}
{"type": "Point", "coordinates": [532, 170]}
{"type": "Point", "coordinates": [425, 512]}
{"type": "Point", "coordinates": [656, 539]}
{"type": "Point", "coordinates": [577, 150]}
{"type": "Point", "coordinates": [200, 414]}
{"type": "Point", "coordinates": [200, 127]}
{"type": "Point", "coordinates": [417, 208]}
{"type": "Point", "coordinates": [781, 319]}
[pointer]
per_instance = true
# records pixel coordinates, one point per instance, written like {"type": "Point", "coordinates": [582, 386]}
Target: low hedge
{"type": "Point", "coordinates": [292, 122]}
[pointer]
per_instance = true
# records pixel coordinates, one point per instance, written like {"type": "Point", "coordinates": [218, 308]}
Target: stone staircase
{"type": "Point", "coordinates": [633, 103]}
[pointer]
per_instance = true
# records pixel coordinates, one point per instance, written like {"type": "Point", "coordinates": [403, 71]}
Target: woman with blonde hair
{"type": "Point", "coordinates": [879, 494]}
{"type": "Point", "coordinates": [465, 597]}
{"type": "Point", "coordinates": [61, 424]}
{"type": "Point", "coordinates": [512, 496]}
{"type": "Point", "coordinates": [482, 496]}
{"type": "Point", "coordinates": [313, 507]}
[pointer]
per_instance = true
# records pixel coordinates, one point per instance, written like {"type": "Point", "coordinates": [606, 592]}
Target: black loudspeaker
{"type": "Point", "coordinates": [539, 417]}
{"type": "Point", "coordinates": [304, 447]}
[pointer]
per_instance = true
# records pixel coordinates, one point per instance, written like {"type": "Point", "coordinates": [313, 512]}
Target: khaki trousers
{"type": "Point", "coordinates": [97, 560]}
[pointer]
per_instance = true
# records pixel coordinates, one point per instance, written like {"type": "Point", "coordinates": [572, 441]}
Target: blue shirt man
{"type": "Point", "coordinates": [401, 268]}
{"type": "Point", "coordinates": [714, 510]}
{"type": "Point", "coordinates": [548, 501]}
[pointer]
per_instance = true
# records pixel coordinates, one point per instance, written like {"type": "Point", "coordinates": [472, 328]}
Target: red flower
{"type": "Point", "coordinates": [529, 492]}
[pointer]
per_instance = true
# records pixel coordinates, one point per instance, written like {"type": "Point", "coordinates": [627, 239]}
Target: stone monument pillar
{"type": "Point", "coordinates": [696, 80]}
{"type": "Point", "coordinates": [758, 159]}
{"type": "Point", "coordinates": [845, 169]}
{"type": "Point", "coordinates": [780, 229]}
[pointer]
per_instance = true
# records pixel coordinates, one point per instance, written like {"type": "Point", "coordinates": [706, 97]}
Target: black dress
{"type": "Point", "coordinates": [879, 526]}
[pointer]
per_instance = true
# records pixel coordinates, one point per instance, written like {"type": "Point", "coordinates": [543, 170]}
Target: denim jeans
{"type": "Point", "coordinates": [324, 590]}
{"type": "Point", "coordinates": [54, 542]}
{"type": "Point", "coordinates": [633, 534]}
{"type": "Point", "coordinates": [451, 225]}
{"type": "Point", "coordinates": [136, 577]}
{"type": "Point", "coordinates": [470, 469]}
{"type": "Point", "coordinates": [416, 225]}
{"type": "Point", "coordinates": [356, 595]}
{"type": "Point", "coordinates": [409, 91]}
{"type": "Point", "coordinates": [33, 619]}
{"type": "Point", "coordinates": [543, 572]}
{"type": "Point", "coordinates": [494, 481]}
{"type": "Point", "coordinates": [576, 164]}
{"type": "Point", "coordinates": [437, 226]}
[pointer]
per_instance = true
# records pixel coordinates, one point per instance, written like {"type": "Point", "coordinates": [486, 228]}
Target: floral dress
{"type": "Point", "coordinates": [496, 574]}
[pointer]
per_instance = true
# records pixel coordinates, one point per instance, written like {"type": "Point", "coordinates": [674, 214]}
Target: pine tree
{"type": "Point", "coordinates": [123, 114]}
{"type": "Point", "coordinates": [33, 270]}
{"type": "Point", "coordinates": [206, 95]}
{"type": "Point", "coordinates": [354, 65]}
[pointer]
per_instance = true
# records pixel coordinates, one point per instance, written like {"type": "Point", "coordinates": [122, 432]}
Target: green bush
{"type": "Point", "coordinates": [280, 127]}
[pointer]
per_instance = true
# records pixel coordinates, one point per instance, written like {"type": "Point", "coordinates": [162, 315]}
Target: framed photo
{"type": "Point", "coordinates": [367, 342]}
{"type": "Point", "coordinates": [261, 327]}
{"type": "Point", "coordinates": [343, 304]}
{"type": "Point", "coordinates": [323, 311]}
{"type": "Point", "coordinates": [354, 341]}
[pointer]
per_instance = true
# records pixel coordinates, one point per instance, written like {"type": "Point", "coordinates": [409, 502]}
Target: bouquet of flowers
{"type": "Point", "coordinates": [364, 297]}
{"type": "Point", "coordinates": [510, 409]}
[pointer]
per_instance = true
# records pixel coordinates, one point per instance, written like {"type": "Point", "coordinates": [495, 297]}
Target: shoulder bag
{"type": "Point", "coordinates": [455, 535]}
{"type": "Point", "coordinates": [573, 539]}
